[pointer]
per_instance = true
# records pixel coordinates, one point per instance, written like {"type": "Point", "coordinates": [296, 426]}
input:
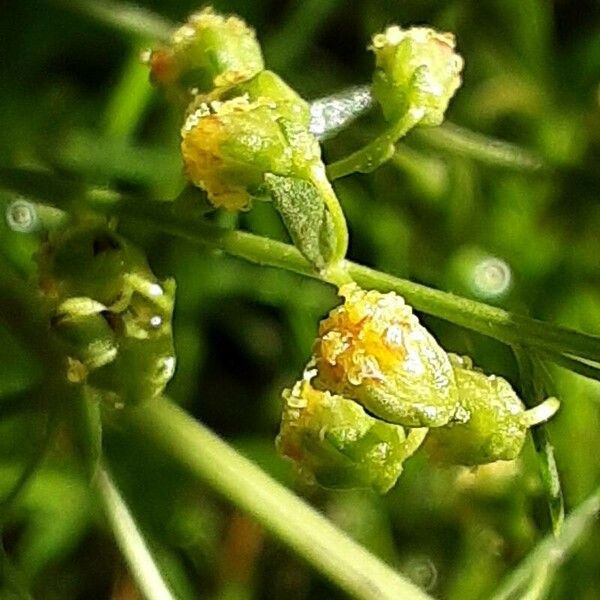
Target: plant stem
{"type": "Point", "coordinates": [276, 508]}
{"type": "Point", "coordinates": [560, 344]}
{"type": "Point", "coordinates": [376, 152]}
{"type": "Point", "coordinates": [544, 560]}
{"type": "Point", "coordinates": [488, 320]}
{"type": "Point", "coordinates": [535, 386]}
{"type": "Point", "coordinates": [130, 540]}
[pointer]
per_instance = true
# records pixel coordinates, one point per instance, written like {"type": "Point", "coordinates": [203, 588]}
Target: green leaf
{"type": "Point", "coordinates": [304, 213]}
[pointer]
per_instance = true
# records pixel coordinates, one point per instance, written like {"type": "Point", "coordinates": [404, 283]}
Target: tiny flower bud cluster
{"type": "Point", "coordinates": [378, 379]}
{"type": "Point", "coordinates": [243, 122]}
{"type": "Point", "coordinates": [417, 70]}
{"type": "Point", "coordinates": [111, 314]}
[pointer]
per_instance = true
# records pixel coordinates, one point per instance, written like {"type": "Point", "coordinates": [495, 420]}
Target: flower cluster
{"type": "Point", "coordinates": [243, 122]}
{"type": "Point", "coordinates": [110, 312]}
{"type": "Point", "coordinates": [379, 385]}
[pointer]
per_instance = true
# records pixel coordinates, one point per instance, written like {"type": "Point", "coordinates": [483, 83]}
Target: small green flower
{"type": "Point", "coordinates": [417, 70]}
{"type": "Point", "coordinates": [208, 51]}
{"type": "Point", "coordinates": [373, 349]}
{"type": "Point", "coordinates": [492, 423]}
{"type": "Point", "coordinates": [335, 443]}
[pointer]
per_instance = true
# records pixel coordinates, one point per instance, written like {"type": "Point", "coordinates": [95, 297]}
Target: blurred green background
{"type": "Point", "coordinates": [74, 99]}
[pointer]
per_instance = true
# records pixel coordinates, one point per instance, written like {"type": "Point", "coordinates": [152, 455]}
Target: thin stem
{"type": "Point", "coordinates": [483, 318]}
{"type": "Point", "coordinates": [129, 99]}
{"type": "Point", "coordinates": [458, 140]}
{"type": "Point", "coordinates": [377, 151]}
{"type": "Point", "coordinates": [557, 342]}
{"type": "Point", "coordinates": [130, 540]}
{"type": "Point", "coordinates": [287, 517]}
{"type": "Point", "coordinates": [549, 554]}
{"type": "Point", "coordinates": [127, 18]}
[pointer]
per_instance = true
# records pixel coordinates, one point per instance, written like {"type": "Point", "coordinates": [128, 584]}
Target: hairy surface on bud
{"type": "Point", "coordinates": [373, 349]}
{"type": "Point", "coordinates": [335, 443]}
{"type": "Point", "coordinates": [417, 69]}
{"type": "Point", "coordinates": [228, 147]}
{"type": "Point", "coordinates": [208, 51]}
{"type": "Point", "coordinates": [495, 420]}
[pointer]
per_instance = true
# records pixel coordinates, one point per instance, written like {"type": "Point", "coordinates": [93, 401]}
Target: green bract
{"type": "Point", "coordinates": [492, 423]}
{"type": "Point", "coordinates": [417, 70]}
{"type": "Point", "coordinates": [110, 312]}
{"type": "Point", "coordinates": [336, 444]}
{"type": "Point", "coordinates": [209, 51]}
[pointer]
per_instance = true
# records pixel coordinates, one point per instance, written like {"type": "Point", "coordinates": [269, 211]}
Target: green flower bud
{"type": "Point", "coordinates": [209, 51]}
{"type": "Point", "coordinates": [335, 443]}
{"type": "Point", "coordinates": [145, 362]}
{"type": "Point", "coordinates": [492, 423]}
{"type": "Point", "coordinates": [416, 70]}
{"type": "Point", "coordinates": [228, 147]}
{"type": "Point", "coordinates": [373, 349]}
{"type": "Point", "coordinates": [87, 260]}
{"type": "Point", "coordinates": [111, 314]}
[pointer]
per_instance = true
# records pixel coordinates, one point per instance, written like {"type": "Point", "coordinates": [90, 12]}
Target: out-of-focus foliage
{"type": "Point", "coordinates": [74, 98]}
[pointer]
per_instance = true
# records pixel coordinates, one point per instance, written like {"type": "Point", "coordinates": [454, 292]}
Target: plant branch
{"type": "Point", "coordinates": [286, 516]}
{"type": "Point", "coordinates": [130, 540]}
{"type": "Point", "coordinates": [559, 344]}
{"type": "Point", "coordinates": [483, 318]}
{"type": "Point", "coordinates": [543, 561]}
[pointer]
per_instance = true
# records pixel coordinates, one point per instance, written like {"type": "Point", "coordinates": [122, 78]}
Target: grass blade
{"type": "Point", "coordinates": [130, 540]}
{"type": "Point", "coordinates": [540, 566]}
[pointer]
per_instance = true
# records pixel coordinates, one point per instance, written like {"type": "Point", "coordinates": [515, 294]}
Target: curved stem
{"type": "Point", "coordinates": [285, 515]}
{"type": "Point", "coordinates": [377, 151]}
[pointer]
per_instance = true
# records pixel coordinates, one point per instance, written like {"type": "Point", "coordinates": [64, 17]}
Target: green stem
{"type": "Point", "coordinates": [458, 140]}
{"type": "Point", "coordinates": [550, 553]}
{"type": "Point", "coordinates": [276, 508]}
{"type": "Point", "coordinates": [129, 99]}
{"type": "Point", "coordinates": [376, 152]}
{"type": "Point", "coordinates": [130, 540]}
{"type": "Point", "coordinates": [488, 320]}
{"type": "Point", "coordinates": [558, 342]}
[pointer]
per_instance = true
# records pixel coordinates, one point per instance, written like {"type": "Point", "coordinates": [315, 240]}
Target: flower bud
{"type": "Point", "coordinates": [417, 69]}
{"type": "Point", "coordinates": [209, 51]}
{"type": "Point", "coordinates": [373, 349]}
{"type": "Point", "coordinates": [228, 147]}
{"type": "Point", "coordinates": [336, 444]}
{"type": "Point", "coordinates": [492, 423]}
{"type": "Point", "coordinates": [111, 314]}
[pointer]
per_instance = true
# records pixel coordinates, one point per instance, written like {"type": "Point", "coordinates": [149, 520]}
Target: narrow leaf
{"type": "Point", "coordinates": [535, 387]}
{"type": "Point", "coordinates": [540, 566]}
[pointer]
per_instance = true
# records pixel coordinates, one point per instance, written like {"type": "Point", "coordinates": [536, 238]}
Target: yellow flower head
{"type": "Point", "coordinates": [373, 349]}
